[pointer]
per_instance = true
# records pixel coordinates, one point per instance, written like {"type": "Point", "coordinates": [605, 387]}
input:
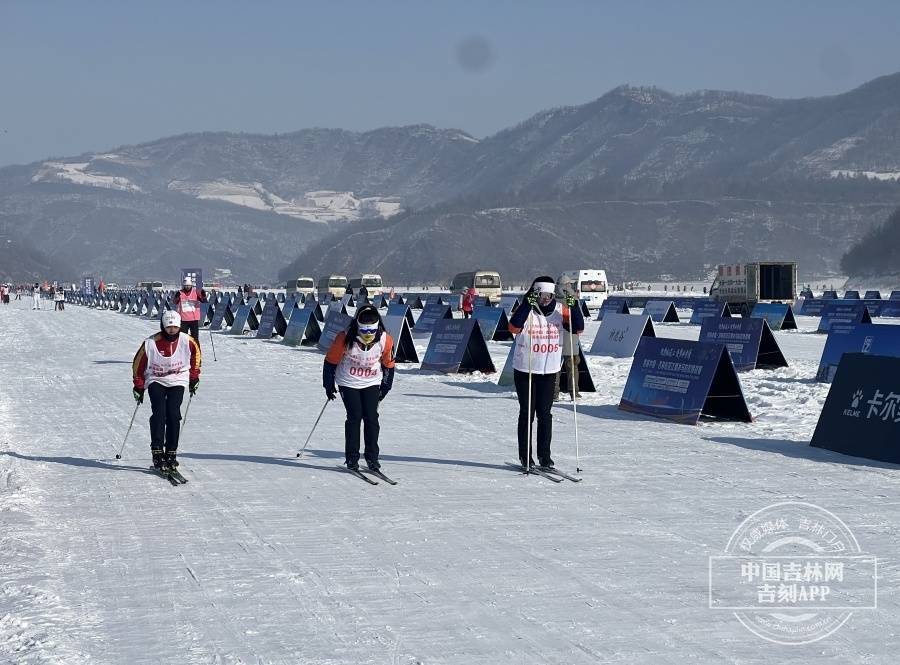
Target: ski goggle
{"type": "Point", "coordinates": [368, 329]}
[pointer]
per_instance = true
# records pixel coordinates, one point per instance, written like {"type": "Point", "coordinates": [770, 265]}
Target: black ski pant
{"type": "Point", "coordinates": [165, 421]}
{"type": "Point", "coordinates": [542, 386]}
{"type": "Point", "coordinates": [362, 407]}
{"type": "Point", "coordinates": [192, 328]}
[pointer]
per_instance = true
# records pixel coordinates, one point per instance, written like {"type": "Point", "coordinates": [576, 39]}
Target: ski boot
{"type": "Point", "coordinates": [171, 461]}
{"type": "Point", "coordinates": [159, 459]}
{"type": "Point", "coordinates": [546, 463]}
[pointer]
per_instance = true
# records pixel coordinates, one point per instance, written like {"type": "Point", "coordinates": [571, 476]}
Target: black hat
{"type": "Point", "coordinates": [367, 315]}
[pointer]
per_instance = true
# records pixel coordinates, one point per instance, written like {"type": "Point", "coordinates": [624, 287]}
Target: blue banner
{"type": "Point", "coordinates": [874, 306]}
{"type": "Point", "coordinates": [335, 322]}
{"type": "Point", "coordinates": [430, 315]}
{"type": "Point", "coordinates": [493, 322]}
{"type": "Point", "coordinates": [895, 295]}
{"type": "Point", "coordinates": [620, 334]}
{"type": "Point", "coordinates": [891, 308]}
{"type": "Point", "coordinates": [842, 313]}
{"type": "Point", "coordinates": [402, 309]}
{"type": "Point", "coordinates": [778, 315]}
{"type": "Point", "coordinates": [509, 304]}
{"type": "Point", "coordinates": [506, 375]}
{"type": "Point", "coordinates": [861, 416]}
{"type": "Point", "coordinates": [303, 328]}
{"type": "Point", "coordinates": [812, 307]}
{"type": "Point", "coordinates": [829, 295]}
{"type": "Point", "coordinates": [244, 319]}
{"type": "Point", "coordinates": [872, 295]}
{"type": "Point", "coordinates": [456, 345]}
{"type": "Point", "coordinates": [851, 295]}
{"type": "Point", "coordinates": [679, 380]}
{"type": "Point", "coordinates": [272, 321]}
{"type": "Point", "coordinates": [706, 308]}
{"type": "Point", "coordinates": [614, 304]}
{"type": "Point", "coordinates": [879, 340]}
{"type": "Point", "coordinates": [750, 342]}
{"type": "Point", "coordinates": [87, 286]}
{"type": "Point", "coordinates": [661, 311]}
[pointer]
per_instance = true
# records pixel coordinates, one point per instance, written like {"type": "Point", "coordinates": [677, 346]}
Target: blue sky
{"type": "Point", "coordinates": [87, 76]}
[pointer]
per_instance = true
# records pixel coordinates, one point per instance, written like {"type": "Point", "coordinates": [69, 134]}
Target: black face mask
{"type": "Point", "coordinates": [167, 336]}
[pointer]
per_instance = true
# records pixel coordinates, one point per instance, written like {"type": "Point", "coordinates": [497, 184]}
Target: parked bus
{"type": "Point", "coordinates": [589, 284]}
{"type": "Point", "coordinates": [336, 285]}
{"type": "Point", "coordinates": [485, 282]}
{"type": "Point", "coordinates": [373, 284]}
{"type": "Point", "coordinates": [302, 285]}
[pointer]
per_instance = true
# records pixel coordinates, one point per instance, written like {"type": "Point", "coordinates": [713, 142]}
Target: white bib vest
{"type": "Point", "coordinates": [360, 368]}
{"type": "Point", "coordinates": [171, 370]}
{"type": "Point", "coordinates": [543, 333]}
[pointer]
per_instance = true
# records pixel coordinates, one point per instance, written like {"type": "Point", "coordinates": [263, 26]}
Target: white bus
{"type": "Point", "coordinates": [302, 285]}
{"type": "Point", "coordinates": [485, 282]}
{"type": "Point", "coordinates": [374, 285]}
{"type": "Point", "coordinates": [589, 284]}
{"type": "Point", "coordinates": [336, 285]}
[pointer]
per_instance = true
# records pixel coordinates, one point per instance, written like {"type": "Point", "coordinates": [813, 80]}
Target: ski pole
{"type": "Point", "coordinates": [573, 371]}
{"type": "Point", "coordinates": [186, 409]}
{"type": "Point", "coordinates": [527, 464]}
{"type": "Point", "coordinates": [315, 424]}
{"type": "Point", "coordinates": [213, 344]}
{"type": "Point", "coordinates": [119, 454]}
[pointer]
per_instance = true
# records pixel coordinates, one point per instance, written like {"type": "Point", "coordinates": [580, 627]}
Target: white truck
{"type": "Point", "coordinates": [742, 285]}
{"type": "Point", "coordinates": [590, 284]}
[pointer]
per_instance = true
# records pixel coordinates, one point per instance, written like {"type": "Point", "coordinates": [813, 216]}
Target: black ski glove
{"type": "Point", "coordinates": [387, 382]}
{"type": "Point", "coordinates": [138, 394]}
{"type": "Point", "coordinates": [328, 371]}
{"type": "Point", "coordinates": [193, 385]}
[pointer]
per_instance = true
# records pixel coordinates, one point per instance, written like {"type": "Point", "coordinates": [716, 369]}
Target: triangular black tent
{"type": "Point", "coordinates": [456, 345]}
{"type": "Point", "coordinates": [679, 380]}
{"type": "Point", "coordinates": [272, 321]}
{"type": "Point", "coordinates": [400, 309]}
{"type": "Point", "coordinates": [404, 348]}
{"type": "Point", "coordinates": [493, 322]}
{"type": "Point", "coordinates": [585, 380]}
{"type": "Point", "coordinates": [303, 328]}
{"type": "Point", "coordinates": [244, 320]}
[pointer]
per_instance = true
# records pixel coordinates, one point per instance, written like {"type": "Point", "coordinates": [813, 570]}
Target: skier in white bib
{"type": "Point", "coordinates": [165, 364]}
{"type": "Point", "coordinates": [539, 325]}
{"type": "Point", "coordinates": [360, 364]}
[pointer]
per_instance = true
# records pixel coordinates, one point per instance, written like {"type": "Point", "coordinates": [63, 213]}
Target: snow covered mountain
{"type": "Point", "coordinates": [642, 145]}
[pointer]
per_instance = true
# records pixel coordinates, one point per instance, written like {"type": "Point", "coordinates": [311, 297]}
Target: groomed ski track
{"type": "Point", "coordinates": [263, 558]}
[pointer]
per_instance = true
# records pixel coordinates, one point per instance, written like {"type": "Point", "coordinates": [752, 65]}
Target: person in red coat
{"type": "Point", "coordinates": [165, 364]}
{"type": "Point", "coordinates": [468, 302]}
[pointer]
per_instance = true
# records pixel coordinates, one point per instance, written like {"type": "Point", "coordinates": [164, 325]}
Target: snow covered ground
{"type": "Point", "coordinates": [264, 558]}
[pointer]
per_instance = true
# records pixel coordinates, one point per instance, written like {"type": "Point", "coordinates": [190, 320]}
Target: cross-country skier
{"type": "Point", "coordinates": [59, 298]}
{"type": "Point", "coordinates": [164, 365]}
{"type": "Point", "coordinates": [187, 304]}
{"type": "Point", "coordinates": [537, 359]}
{"type": "Point", "coordinates": [360, 364]}
{"type": "Point", "coordinates": [36, 296]}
